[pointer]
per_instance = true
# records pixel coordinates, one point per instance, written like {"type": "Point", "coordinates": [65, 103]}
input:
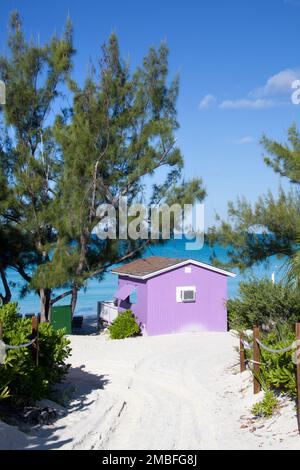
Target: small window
{"type": "Point", "coordinates": [186, 294]}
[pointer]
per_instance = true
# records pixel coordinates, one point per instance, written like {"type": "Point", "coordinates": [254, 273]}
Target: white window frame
{"type": "Point", "coordinates": [179, 296]}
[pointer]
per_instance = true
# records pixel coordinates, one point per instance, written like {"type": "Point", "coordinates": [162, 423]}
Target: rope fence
{"type": "Point", "coordinates": [248, 346]}
{"type": "Point", "coordinates": [256, 346]}
{"type": "Point", "coordinates": [33, 343]}
{"type": "Point", "coordinates": [20, 346]}
{"type": "Point", "coordinates": [276, 351]}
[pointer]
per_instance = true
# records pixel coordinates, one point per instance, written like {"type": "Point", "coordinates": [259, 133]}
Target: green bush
{"type": "Point", "coordinates": [265, 304]}
{"type": "Point", "coordinates": [124, 326]}
{"type": "Point", "coordinates": [277, 370]}
{"type": "Point", "coordinates": [267, 406]}
{"type": "Point", "coordinates": [19, 373]}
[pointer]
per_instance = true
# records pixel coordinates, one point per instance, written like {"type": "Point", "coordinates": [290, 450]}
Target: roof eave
{"type": "Point", "coordinates": [178, 265]}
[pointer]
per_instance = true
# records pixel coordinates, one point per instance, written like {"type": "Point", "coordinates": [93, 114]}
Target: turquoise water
{"type": "Point", "coordinates": [104, 290]}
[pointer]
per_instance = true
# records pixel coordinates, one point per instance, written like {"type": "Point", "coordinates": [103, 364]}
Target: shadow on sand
{"type": "Point", "coordinates": [81, 384]}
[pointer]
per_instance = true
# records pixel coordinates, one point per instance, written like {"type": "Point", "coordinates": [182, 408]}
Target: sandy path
{"type": "Point", "coordinates": [166, 392]}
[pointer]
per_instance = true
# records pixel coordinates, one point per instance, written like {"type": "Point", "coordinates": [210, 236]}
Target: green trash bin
{"type": "Point", "coordinates": [61, 317]}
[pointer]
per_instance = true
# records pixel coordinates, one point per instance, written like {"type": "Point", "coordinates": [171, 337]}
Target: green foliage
{"type": "Point", "coordinates": [121, 130]}
{"type": "Point", "coordinates": [293, 269]}
{"type": "Point", "coordinates": [4, 393]}
{"type": "Point", "coordinates": [293, 264]}
{"type": "Point", "coordinates": [58, 168]}
{"type": "Point", "coordinates": [267, 406]}
{"type": "Point", "coordinates": [253, 233]}
{"type": "Point", "coordinates": [8, 316]}
{"type": "Point", "coordinates": [278, 370]}
{"type": "Point", "coordinates": [262, 303]}
{"type": "Point", "coordinates": [284, 158]}
{"type": "Point", "coordinates": [124, 326]}
{"type": "Point", "coordinates": [34, 75]}
{"type": "Point", "coordinates": [25, 380]}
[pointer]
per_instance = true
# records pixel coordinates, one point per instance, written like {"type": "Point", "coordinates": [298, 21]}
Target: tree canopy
{"type": "Point", "coordinates": [58, 163]}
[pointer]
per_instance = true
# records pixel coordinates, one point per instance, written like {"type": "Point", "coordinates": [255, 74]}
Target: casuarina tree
{"type": "Point", "coordinates": [34, 75]}
{"type": "Point", "coordinates": [118, 133]}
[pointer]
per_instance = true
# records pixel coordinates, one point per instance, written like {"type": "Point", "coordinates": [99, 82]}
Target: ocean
{"type": "Point", "coordinates": [96, 291]}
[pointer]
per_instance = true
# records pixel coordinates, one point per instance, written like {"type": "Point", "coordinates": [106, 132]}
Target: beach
{"type": "Point", "coordinates": [181, 391]}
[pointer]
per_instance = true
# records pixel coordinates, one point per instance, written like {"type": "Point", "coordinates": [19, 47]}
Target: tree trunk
{"type": "Point", "coordinates": [74, 298]}
{"type": "Point", "coordinates": [7, 297]}
{"type": "Point", "coordinates": [79, 271]}
{"type": "Point", "coordinates": [45, 297]}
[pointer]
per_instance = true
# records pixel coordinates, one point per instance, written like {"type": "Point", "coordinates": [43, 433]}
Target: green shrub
{"type": "Point", "coordinates": [19, 373]}
{"type": "Point", "coordinates": [124, 326]}
{"type": "Point", "coordinates": [262, 303]}
{"type": "Point", "coordinates": [267, 406]}
{"type": "Point", "coordinates": [278, 370]}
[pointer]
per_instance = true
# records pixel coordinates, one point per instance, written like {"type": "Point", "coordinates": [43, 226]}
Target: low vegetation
{"type": "Point", "coordinates": [267, 406]}
{"type": "Point", "coordinates": [278, 370]}
{"type": "Point", "coordinates": [124, 326]}
{"type": "Point", "coordinates": [21, 379]}
{"type": "Point", "coordinates": [277, 374]}
{"type": "Point", "coordinates": [262, 303]}
{"type": "Point", "coordinates": [275, 308]}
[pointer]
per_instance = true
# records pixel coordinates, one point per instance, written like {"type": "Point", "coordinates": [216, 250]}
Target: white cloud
{"type": "Point", "coordinates": [275, 92]}
{"type": "Point", "coordinates": [207, 101]}
{"type": "Point", "coordinates": [243, 140]}
{"type": "Point", "coordinates": [279, 84]}
{"type": "Point", "coordinates": [246, 103]}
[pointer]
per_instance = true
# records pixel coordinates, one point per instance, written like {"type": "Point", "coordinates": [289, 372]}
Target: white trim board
{"type": "Point", "coordinates": [175, 266]}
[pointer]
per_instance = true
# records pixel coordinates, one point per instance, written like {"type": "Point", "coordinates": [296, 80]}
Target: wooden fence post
{"type": "Point", "coordinates": [298, 372]}
{"type": "Point", "coordinates": [35, 334]}
{"type": "Point", "coordinates": [242, 354]}
{"type": "Point", "coordinates": [256, 360]}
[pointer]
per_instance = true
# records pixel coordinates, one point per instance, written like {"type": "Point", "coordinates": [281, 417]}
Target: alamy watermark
{"type": "Point", "coordinates": [2, 92]}
{"type": "Point", "coordinates": [142, 222]}
{"type": "Point", "coordinates": [296, 93]}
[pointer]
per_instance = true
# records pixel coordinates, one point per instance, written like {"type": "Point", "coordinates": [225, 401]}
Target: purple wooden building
{"type": "Point", "coordinates": [169, 295]}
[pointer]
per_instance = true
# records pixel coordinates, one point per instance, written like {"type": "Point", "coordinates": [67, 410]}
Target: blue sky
{"type": "Point", "coordinates": [236, 60]}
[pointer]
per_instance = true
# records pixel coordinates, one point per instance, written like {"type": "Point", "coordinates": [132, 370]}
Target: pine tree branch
{"type": "Point", "coordinates": [22, 272]}
{"type": "Point", "coordinates": [155, 167]}
{"type": "Point", "coordinates": [7, 297]}
{"type": "Point", "coordinates": [120, 260]}
{"type": "Point", "coordinates": [123, 258]}
{"type": "Point", "coordinates": [61, 296]}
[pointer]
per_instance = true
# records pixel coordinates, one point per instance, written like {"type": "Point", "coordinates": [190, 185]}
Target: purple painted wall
{"type": "Point", "coordinates": [207, 313]}
{"type": "Point", "coordinates": [160, 313]}
{"type": "Point", "coordinates": [140, 308]}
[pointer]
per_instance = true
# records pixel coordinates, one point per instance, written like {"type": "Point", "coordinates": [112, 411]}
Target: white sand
{"type": "Point", "coordinates": [166, 392]}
